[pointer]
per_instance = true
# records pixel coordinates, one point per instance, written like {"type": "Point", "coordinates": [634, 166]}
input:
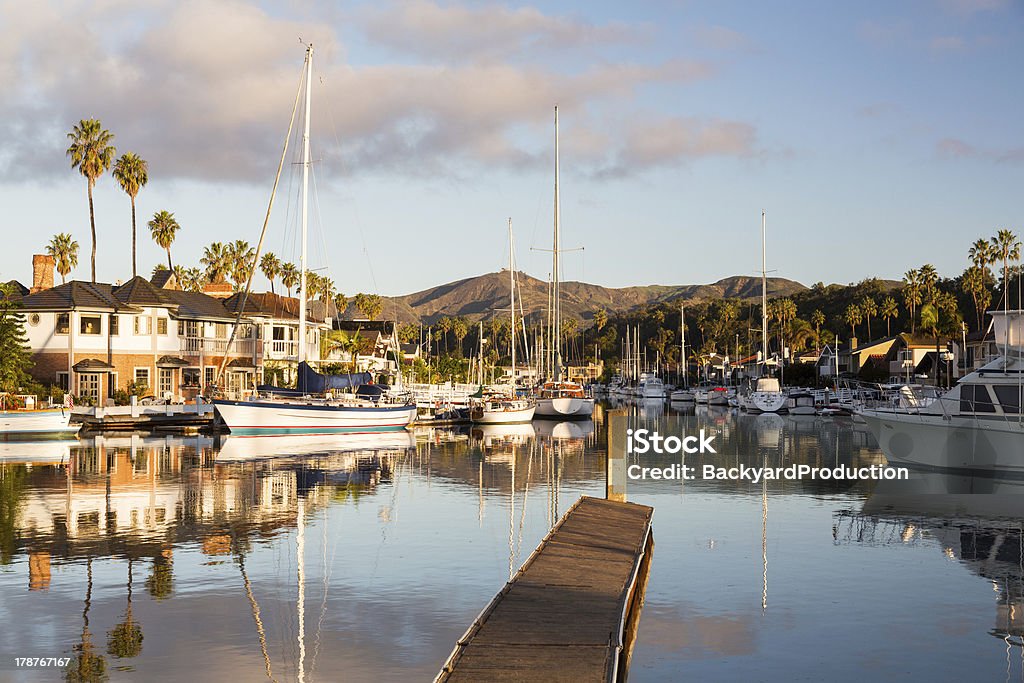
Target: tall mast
{"type": "Point", "coordinates": [512, 303]}
{"type": "Point", "coordinates": [305, 209]}
{"type": "Point", "coordinates": [554, 272]}
{"type": "Point", "coordinates": [682, 338]}
{"type": "Point", "coordinates": [764, 298]}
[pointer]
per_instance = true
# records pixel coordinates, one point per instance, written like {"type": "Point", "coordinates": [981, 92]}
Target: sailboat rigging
{"type": "Point", "coordinates": [324, 415]}
{"type": "Point", "coordinates": [560, 398]}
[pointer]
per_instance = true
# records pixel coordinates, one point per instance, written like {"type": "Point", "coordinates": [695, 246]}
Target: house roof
{"type": "Point", "coordinates": [270, 305]}
{"type": "Point", "coordinates": [198, 305]}
{"type": "Point", "coordinates": [383, 326]}
{"type": "Point", "coordinates": [866, 346]}
{"type": "Point", "coordinates": [162, 277]}
{"type": "Point", "coordinates": [77, 294]}
{"type": "Point", "coordinates": [141, 292]}
{"type": "Point", "coordinates": [92, 365]}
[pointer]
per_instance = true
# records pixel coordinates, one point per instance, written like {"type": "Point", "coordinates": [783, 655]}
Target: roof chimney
{"type": "Point", "coordinates": [42, 272]}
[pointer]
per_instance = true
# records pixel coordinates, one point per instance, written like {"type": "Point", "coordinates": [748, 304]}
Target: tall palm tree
{"type": "Point", "coordinates": [817, 319]}
{"type": "Point", "coordinates": [912, 295]}
{"type": "Point", "coordinates": [929, 282]}
{"type": "Point", "coordinates": [132, 173]}
{"type": "Point", "coordinates": [217, 262]}
{"type": "Point", "coordinates": [289, 277]}
{"type": "Point", "coordinates": [91, 153]}
{"type": "Point", "coordinates": [600, 319]}
{"type": "Point", "coordinates": [270, 265]}
{"type": "Point", "coordinates": [1006, 248]}
{"type": "Point", "coordinates": [163, 228]}
{"type": "Point", "coordinates": [242, 260]}
{"type": "Point", "coordinates": [981, 253]}
{"type": "Point", "coordinates": [340, 303]}
{"type": "Point", "coordinates": [64, 251]}
{"type": "Point", "coordinates": [852, 316]}
{"type": "Point", "coordinates": [889, 309]}
{"type": "Point", "coordinates": [869, 308]}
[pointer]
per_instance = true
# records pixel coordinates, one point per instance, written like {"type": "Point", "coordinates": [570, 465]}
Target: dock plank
{"type": "Point", "coordinates": [566, 613]}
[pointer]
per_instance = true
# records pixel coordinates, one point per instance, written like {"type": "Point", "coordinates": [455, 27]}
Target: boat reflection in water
{"type": "Point", "coordinates": [976, 520]}
{"type": "Point", "coordinates": [238, 448]}
{"type": "Point", "coordinates": [492, 435]}
{"type": "Point", "coordinates": [38, 451]}
{"type": "Point", "coordinates": [565, 431]}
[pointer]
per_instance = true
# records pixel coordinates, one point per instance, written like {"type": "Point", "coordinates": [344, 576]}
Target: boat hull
{"type": "Point", "coordinates": [993, 444]}
{"type": "Point", "coordinates": [279, 417]}
{"type": "Point", "coordinates": [20, 422]}
{"type": "Point", "coordinates": [765, 402]}
{"type": "Point", "coordinates": [501, 417]}
{"type": "Point", "coordinates": [565, 407]}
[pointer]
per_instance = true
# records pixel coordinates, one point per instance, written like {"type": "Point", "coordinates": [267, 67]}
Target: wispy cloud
{"type": "Point", "coordinates": [721, 38]}
{"type": "Point", "coordinates": [969, 7]}
{"type": "Point", "coordinates": [956, 149]}
{"type": "Point", "coordinates": [947, 44]}
{"type": "Point", "coordinates": [453, 32]}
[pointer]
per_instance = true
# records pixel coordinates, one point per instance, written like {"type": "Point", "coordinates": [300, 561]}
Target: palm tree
{"type": "Point", "coordinates": [64, 251]}
{"type": "Point", "coordinates": [217, 262]}
{"type": "Point", "coordinates": [271, 267]}
{"type": "Point", "coordinates": [912, 295]}
{"type": "Point", "coordinates": [869, 308]}
{"type": "Point", "coordinates": [460, 329]}
{"type": "Point", "coordinates": [929, 281]}
{"type": "Point", "coordinates": [981, 253]}
{"type": "Point", "coordinates": [370, 305]}
{"type": "Point", "coordinates": [340, 303]}
{"type": "Point", "coordinates": [132, 173]}
{"type": "Point", "coordinates": [973, 282]}
{"type": "Point", "coordinates": [162, 229]}
{"type": "Point", "coordinates": [1006, 248]}
{"type": "Point", "coordinates": [91, 153]}
{"type": "Point", "coordinates": [125, 639]}
{"type": "Point", "coordinates": [600, 319]}
{"type": "Point", "coordinates": [889, 309]}
{"type": "Point", "coordinates": [817, 319]}
{"type": "Point", "coordinates": [242, 259]}
{"type": "Point", "coordinates": [852, 316]}
{"type": "Point", "coordinates": [444, 325]}
{"type": "Point", "coordinates": [289, 277]}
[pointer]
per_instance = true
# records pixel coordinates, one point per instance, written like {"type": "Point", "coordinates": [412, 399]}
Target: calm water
{"type": "Point", "coordinates": [365, 558]}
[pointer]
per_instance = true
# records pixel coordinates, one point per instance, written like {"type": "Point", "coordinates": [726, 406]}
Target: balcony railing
{"type": "Point", "coordinates": [276, 349]}
{"type": "Point", "coordinates": [194, 346]}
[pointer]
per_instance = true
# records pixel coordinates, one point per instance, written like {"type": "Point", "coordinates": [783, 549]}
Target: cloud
{"type": "Point", "coordinates": [671, 141]}
{"type": "Point", "coordinates": [956, 149]}
{"type": "Point", "coordinates": [453, 32]}
{"type": "Point", "coordinates": [969, 7]}
{"type": "Point", "coordinates": [721, 38]}
{"type": "Point", "coordinates": [947, 44]}
{"type": "Point", "coordinates": [203, 90]}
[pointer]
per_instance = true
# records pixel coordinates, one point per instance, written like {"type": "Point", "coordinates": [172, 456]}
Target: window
{"type": "Point", "coordinates": [161, 326]}
{"type": "Point", "coordinates": [113, 324]}
{"type": "Point", "coordinates": [62, 381]}
{"type": "Point", "coordinates": [190, 377]}
{"type": "Point", "coordinates": [221, 331]}
{"type": "Point", "coordinates": [211, 375]}
{"type": "Point", "coordinates": [191, 328]}
{"type": "Point", "coordinates": [142, 377]}
{"type": "Point", "coordinates": [63, 323]}
{"type": "Point", "coordinates": [974, 398]}
{"type": "Point", "coordinates": [1009, 397]}
{"type": "Point", "coordinates": [89, 324]}
{"type": "Point", "coordinates": [143, 324]}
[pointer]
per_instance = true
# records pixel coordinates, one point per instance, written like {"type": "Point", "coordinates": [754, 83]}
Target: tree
{"type": "Point", "coordinates": [162, 228]}
{"type": "Point", "coordinates": [91, 153]}
{"type": "Point", "coordinates": [160, 582]}
{"type": "Point", "coordinates": [912, 295]}
{"type": "Point", "coordinates": [600, 319]}
{"type": "Point", "coordinates": [869, 308]}
{"type": "Point", "coordinates": [86, 665]}
{"type": "Point", "coordinates": [929, 282]}
{"type": "Point", "coordinates": [444, 326]}
{"type": "Point", "coordinates": [973, 282]}
{"type": "Point", "coordinates": [132, 173]}
{"type": "Point", "coordinates": [460, 328]}
{"type": "Point", "coordinates": [369, 305]}
{"type": "Point", "coordinates": [216, 261]}
{"type": "Point", "coordinates": [817, 319]}
{"type": "Point", "coordinates": [889, 309]}
{"type": "Point", "coordinates": [1006, 248]}
{"type": "Point", "coordinates": [270, 265]}
{"type": "Point", "coordinates": [981, 253]}
{"type": "Point", "coordinates": [852, 316]}
{"type": "Point", "coordinates": [64, 251]}
{"type": "Point", "coordinates": [289, 277]}
{"type": "Point", "coordinates": [340, 303]}
{"type": "Point", "coordinates": [16, 358]}
{"type": "Point", "coordinates": [242, 259]}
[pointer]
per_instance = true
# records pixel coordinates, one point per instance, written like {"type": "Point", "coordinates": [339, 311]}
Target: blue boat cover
{"type": "Point", "coordinates": [312, 382]}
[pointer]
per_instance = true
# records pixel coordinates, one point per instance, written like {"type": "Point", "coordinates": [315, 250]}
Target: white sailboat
{"type": "Point", "coordinates": [496, 406]}
{"type": "Point", "coordinates": [308, 415]}
{"type": "Point", "coordinates": [767, 396]}
{"type": "Point", "coordinates": [559, 398]}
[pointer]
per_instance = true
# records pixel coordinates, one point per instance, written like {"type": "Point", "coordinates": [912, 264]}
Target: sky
{"type": "Point", "coordinates": [876, 136]}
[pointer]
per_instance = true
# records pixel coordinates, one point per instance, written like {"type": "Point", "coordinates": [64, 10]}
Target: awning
{"type": "Point", "coordinates": [241, 364]}
{"type": "Point", "coordinates": [92, 365]}
{"type": "Point", "coordinates": [171, 362]}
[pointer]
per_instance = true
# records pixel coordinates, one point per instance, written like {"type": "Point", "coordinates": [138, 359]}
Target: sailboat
{"type": "Point", "coordinates": [767, 396]}
{"type": "Point", "coordinates": [501, 405]}
{"type": "Point", "coordinates": [308, 415]}
{"type": "Point", "coordinates": [560, 398]}
{"type": "Point", "coordinates": [683, 393]}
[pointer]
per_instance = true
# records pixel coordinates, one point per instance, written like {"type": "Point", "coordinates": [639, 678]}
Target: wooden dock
{"type": "Point", "coordinates": [571, 611]}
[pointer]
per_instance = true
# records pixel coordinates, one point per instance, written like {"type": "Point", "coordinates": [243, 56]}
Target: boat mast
{"type": "Point", "coordinates": [764, 298]}
{"type": "Point", "coordinates": [682, 343]}
{"type": "Point", "coordinates": [512, 303]}
{"type": "Point", "coordinates": [305, 209]}
{"type": "Point", "coordinates": [554, 272]}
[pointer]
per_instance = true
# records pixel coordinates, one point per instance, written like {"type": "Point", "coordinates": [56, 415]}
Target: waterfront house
{"type": "Point", "coordinates": [94, 339]}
